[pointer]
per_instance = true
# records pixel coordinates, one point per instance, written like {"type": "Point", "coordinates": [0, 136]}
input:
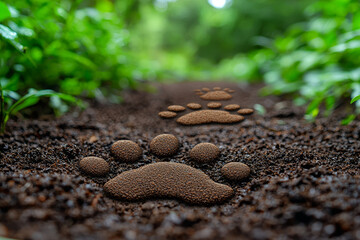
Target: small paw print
{"type": "Point", "coordinates": [213, 114]}
{"type": "Point", "coordinates": [216, 94]}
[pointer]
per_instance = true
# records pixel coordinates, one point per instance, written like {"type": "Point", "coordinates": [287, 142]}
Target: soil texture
{"type": "Point", "coordinates": [304, 181]}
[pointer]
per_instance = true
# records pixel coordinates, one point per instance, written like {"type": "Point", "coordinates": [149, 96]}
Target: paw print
{"type": "Point", "coordinates": [211, 115]}
{"type": "Point", "coordinates": [216, 94]}
{"type": "Point", "coordinates": [167, 180]}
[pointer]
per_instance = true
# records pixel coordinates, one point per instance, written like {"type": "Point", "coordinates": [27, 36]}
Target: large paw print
{"type": "Point", "coordinates": [211, 115]}
{"type": "Point", "coordinates": [166, 179]}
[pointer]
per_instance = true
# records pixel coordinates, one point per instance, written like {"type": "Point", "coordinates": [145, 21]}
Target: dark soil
{"type": "Point", "coordinates": [304, 181]}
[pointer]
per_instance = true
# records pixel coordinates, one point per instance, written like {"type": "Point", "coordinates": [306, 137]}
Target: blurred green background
{"type": "Point", "coordinates": [96, 48]}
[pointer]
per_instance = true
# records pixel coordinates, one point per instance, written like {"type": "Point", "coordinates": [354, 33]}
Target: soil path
{"type": "Point", "coordinates": [304, 181]}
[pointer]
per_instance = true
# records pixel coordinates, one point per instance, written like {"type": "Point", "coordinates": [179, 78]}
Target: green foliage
{"type": "Point", "coordinates": [317, 60]}
{"type": "Point", "coordinates": [75, 47]}
{"type": "Point", "coordinates": [192, 39]}
{"type": "Point", "coordinates": [260, 109]}
{"type": "Point", "coordinates": [307, 48]}
{"type": "Point", "coordinates": [11, 102]}
{"type": "Point", "coordinates": [4, 11]}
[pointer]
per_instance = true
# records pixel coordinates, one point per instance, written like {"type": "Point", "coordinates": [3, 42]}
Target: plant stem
{"type": "Point", "coordinates": [2, 114]}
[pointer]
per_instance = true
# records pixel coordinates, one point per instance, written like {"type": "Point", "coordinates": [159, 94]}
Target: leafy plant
{"type": "Point", "coordinates": [317, 60]}
{"type": "Point", "coordinates": [11, 102]}
{"type": "Point", "coordinates": [76, 47]}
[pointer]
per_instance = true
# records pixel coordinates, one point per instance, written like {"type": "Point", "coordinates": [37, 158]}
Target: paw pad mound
{"type": "Point", "coordinates": [94, 166]}
{"type": "Point", "coordinates": [126, 151]}
{"type": "Point", "coordinates": [216, 96]}
{"type": "Point", "coordinates": [209, 116]}
{"type": "Point", "coordinates": [168, 180]}
{"type": "Point", "coordinates": [206, 89]}
{"type": "Point", "coordinates": [167, 114]}
{"type": "Point", "coordinates": [176, 108]}
{"type": "Point", "coordinates": [204, 152]}
{"type": "Point", "coordinates": [164, 145]}
{"type": "Point", "coordinates": [214, 105]}
{"type": "Point", "coordinates": [194, 106]}
{"type": "Point", "coordinates": [235, 171]}
{"type": "Point", "coordinates": [232, 107]}
{"type": "Point", "coordinates": [246, 111]}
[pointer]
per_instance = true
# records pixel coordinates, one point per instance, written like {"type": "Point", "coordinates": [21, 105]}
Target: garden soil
{"type": "Point", "coordinates": [304, 181]}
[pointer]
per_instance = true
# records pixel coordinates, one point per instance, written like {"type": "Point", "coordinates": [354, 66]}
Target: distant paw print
{"type": "Point", "coordinates": [217, 94]}
{"type": "Point", "coordinates": [211, 115]}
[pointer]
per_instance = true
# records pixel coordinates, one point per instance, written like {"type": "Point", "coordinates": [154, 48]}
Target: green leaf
{"type": "Point", "coordinates": [33, 97]}
{"type": "Point", "coordinates": [4, 11]}
{"type": "Point", "coordinates": [66, 97]}
{"type": "Point", "coordinates": [75, 57]}
{"type": "Point", "coordinates": [260, 109]}
{"type": "Point", "coordinates": [11, 36]}
{"type": "Point", "coordinates": [7, 33]}
{"type": "Point", "coordinates": [354, 44]}
{"type": "Point", "coordinates": [313, 109]}
{"type": "Point", "coordinates": [25, 103]}
{"type": "Point", "coordinates": [11, 94]}
{"type": "Point", "coordinates": [355, 99]}
{"type": "Point", "coordinates": [329, 103]}
{"type": "Point", "coordinates": [348, 119]}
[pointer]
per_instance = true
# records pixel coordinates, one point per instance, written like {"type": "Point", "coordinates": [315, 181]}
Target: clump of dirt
{"type": "Point", "coordinates": [168, 180]}
{"type": "Point", "coordinates": [94, 166]}
{"type": "Point", "coordinates": [164, 145]}
{"type": "Point", "coordinates": [126, 151]}
{"type": "Point", "coordinates": [235, 171]}
{"type": "Point", "coordinates": [204, 153]}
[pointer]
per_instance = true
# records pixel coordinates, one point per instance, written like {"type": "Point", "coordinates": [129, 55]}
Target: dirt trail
{"type": "Point", "coordinates": [304, 181]}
